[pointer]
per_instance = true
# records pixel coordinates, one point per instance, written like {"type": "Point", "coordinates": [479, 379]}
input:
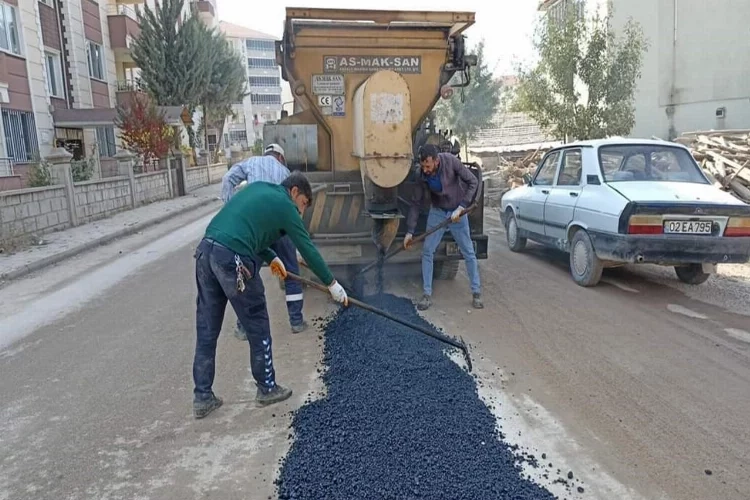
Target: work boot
{"type": "Point", "coordinates": [424, 303]}
{"type": "Point", "coordinates": [275, 395]}
{"type": "Point", "coordinates": [202, 408]}
{"type": "Point", "coordinates": [239, 333]}
{"type": "Point", "coordinates": [299, 328]}
{"type": "Point", "coordinates": [477, 301]}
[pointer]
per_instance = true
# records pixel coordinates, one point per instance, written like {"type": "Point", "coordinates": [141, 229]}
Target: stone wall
{"type": "Point", "coordinates": [98, 199]}
{"type": "Point", "coordinates": [216, 172]}
{"type": "Point", "coordinates": [195, 177]}
{"type": "Point", "coordinates": [151, 187]}
{"type": "Point", "coordinates": [32, 210]}
{"type": "Point", "coordinates": [35, 211]}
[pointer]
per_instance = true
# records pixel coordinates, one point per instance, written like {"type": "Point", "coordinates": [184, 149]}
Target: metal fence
{"type": "Point", "coordinates": [20, 135]}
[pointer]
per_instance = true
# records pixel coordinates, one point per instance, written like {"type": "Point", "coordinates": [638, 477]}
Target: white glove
{"type": "Point", "coordinates": [300, 259]}
{"type": "Point", "coordinates": [457, 214]}
{"type": "Point", "coordinates": [338, 293]}
{"type": "Point", "coordinates": [407, 240]}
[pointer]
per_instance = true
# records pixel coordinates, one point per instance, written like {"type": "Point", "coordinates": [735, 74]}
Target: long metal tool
{"type": "Point", "coordinates": [459, 344]}
{"type": "Point", "coordinates": [417, 239]}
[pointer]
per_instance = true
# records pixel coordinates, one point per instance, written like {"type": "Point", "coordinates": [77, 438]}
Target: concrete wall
{"type": "Point", "coordinates": [32, 211]}
{"type": "Point", "coordinates": [696, 63]}
{"type": "Point", "coordinates": [35, 211]}
{"type": "Point", "coordinates": [195, 177]}
{"type": "Point", "coordinates": [99, 199]}
{"type": "Point", "coordinates": [151, 187]}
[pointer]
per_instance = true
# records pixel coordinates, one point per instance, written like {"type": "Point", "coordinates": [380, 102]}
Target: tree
{"type": "Point", "coordinates": [583, 86]}
{"type": "Point", "coordinates": [173, 61]}
{"type": "Point", "coordinates": [145, 131]}
{"type": "Point", "coordinates": [183, 62]}
{"type": "Point", "coordinates": [475, 106]}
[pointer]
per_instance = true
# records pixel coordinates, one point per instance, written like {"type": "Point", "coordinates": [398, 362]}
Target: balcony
{"type": "Point", "coordinates": [126, 90]}
{"type": "Point", "coordinates": [123, 29]}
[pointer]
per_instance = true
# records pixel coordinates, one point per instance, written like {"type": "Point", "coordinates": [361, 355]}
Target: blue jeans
{"type": "Point", "coordinates": [285, 250]}
{"type": "Point", "coordinates": [216, 279]}
{"type": "Point", "coordinates": [460, 232]}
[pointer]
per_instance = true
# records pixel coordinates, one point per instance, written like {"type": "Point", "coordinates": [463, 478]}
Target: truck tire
{"type": "Point", "coordinates": [445, 270]}
{"type": "Point", "coordinates": [585, 266]}
{"type": "Point", "coordinates": [516, 243]}
{"type": "Point", "coordinates": [692, 274]}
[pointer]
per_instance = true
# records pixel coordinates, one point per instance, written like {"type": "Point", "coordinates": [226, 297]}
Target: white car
{"type": "Point", "coordinates": [615, 201]}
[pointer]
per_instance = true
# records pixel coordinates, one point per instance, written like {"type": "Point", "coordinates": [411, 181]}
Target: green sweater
{"type": "Point", "coordinates": [257, 217]}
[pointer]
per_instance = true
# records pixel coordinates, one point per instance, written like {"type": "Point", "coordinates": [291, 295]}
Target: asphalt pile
{"type": "Point", "coordinates": [399, 420]}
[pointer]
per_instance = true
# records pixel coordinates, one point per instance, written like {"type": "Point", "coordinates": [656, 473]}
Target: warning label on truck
{"type": "Point", "coordinates": [328, 84]}
{"type": "Point", "coordinates": [371, 64]}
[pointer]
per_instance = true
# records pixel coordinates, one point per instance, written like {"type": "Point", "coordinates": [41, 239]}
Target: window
{"type": "Point", "coordinates": [636, 162]}
{"type": "Point", "coordinates": [9, 29]}
{"type": "Point", "coordinates": [105, 138]}
{"type": "Point", "coordinates": [261, 45]}
{"type": "Point", "coordinates": [546, 173]}
{"type": "Point", "coordinates": [54, 74]}
{"type": "Point", "coordinates": [265, 98]}
{"type": "Point", "coordinates": [259, 62]}
{"type": "Point", "coordinates": [96, 60]}
{"type": "Point", "coordinates": [265, 81]}
{"type": "Point", "coordinates": [20, 135]}
{"type": "Point", "coordinates": [563, 8]}
{"type": "Point", "coordinates": [237, 136]}
{"type": "Point", "coordinates": [570, 170]}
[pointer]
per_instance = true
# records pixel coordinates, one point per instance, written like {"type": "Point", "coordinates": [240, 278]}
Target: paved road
{"type": "Point", "coordinates": [633, 386]}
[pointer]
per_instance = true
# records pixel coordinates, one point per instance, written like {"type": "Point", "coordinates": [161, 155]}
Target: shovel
{"type": "Point", "coordinates": [459, 344]}
{"type": "Point", "coordinates": [417, 239]}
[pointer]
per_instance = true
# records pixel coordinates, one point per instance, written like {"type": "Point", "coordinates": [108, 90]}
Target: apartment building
{"type": "Point", "coordinates": [64, 67]}
{"type": "Point", "coordinates": [264, 101]}
{"type": "Point", "coordinates": [696, 73]}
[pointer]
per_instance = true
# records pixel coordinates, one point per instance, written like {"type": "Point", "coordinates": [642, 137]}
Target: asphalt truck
{"type": "Point", "coordinates": [365, 84]}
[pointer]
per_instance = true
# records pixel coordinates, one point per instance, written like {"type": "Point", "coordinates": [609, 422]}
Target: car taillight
{"type": "Point", "coordinates": [645, 224]}
{"type": "Point", "coordinates": [738, 226]}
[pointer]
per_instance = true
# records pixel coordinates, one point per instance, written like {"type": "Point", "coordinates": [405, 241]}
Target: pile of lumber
{"type": "Point", "coordinates": [508, 175]}
{"type": "Point", "coordinates": [724, 156]}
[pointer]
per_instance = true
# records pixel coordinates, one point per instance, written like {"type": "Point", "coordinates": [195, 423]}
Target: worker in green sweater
{"type": "Point", "coordinates": [227, 268]}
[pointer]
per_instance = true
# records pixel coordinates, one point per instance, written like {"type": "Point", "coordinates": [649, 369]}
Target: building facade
{"type": "Point", "coordinates": [65, 65]}
{"type": "Point", "coordinates": [264, 100]}
{"type": "Point", "coordinates": [696, 72]}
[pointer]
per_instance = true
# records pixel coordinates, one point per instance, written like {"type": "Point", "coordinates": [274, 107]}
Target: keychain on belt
{"type": "Point", "coordinates": [242, 273]}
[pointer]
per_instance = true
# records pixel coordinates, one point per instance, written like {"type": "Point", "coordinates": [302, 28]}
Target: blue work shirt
{"type": "Point", "coordinates": [257, 168]}
{"type": "Point", "coordinates": [433, 182]}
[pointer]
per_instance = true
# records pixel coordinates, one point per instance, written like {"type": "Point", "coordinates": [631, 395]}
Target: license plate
{"type": "Point", "coordinates": [451, 249]}
{"type": "Point", "coordinates": [688, 227]}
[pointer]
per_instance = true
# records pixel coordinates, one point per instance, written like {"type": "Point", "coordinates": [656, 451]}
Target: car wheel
{"type": "Point", "coordinates": [516, 242]}
{"type": "Point", "coordinates": [585, 266]}
{"type": "Point", "coordinates": [692, 274]}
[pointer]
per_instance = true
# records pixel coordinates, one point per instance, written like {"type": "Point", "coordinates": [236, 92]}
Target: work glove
{"type": "Point", "coordinates": [300, 259]}
{"type": "Point", "coordinates": [457, 214]}
{"type": "Point", "coordinates": [407, 240]}
{"type": "Point", "coordinates": [277, 268]}
{"type": "Point", "coordinates": [338, 293]}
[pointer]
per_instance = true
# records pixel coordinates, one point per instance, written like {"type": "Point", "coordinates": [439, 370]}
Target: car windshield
{"type": "Point", "coordinates": [641, 162]}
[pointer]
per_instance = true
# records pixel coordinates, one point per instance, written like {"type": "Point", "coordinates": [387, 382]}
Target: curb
{"type": "Point", "coordinates": [58, 257]}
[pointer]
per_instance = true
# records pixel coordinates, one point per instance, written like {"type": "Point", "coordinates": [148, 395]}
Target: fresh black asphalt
{"type": "Point", "coordinates": [399, 420]}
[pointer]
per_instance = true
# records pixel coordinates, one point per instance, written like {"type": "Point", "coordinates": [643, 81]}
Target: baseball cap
{"type": "Point", "coordinates": [275, 148]}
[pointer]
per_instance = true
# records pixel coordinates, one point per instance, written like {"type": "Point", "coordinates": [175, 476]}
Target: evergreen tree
{"type": "Point", "coordinates": [468, 113]}
{"type": "Point", "coordinates": [173, 62]}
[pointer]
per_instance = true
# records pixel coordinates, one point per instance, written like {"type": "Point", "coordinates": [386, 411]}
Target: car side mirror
{"type": "Point", "coordinates": [527, 179]}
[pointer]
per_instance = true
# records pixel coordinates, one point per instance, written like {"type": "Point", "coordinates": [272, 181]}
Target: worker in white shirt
{"type": "Point", "coordinates": [271, 167]}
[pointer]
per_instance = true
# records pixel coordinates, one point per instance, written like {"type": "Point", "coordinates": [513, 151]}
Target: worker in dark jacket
{"type": "Point", "coordinates": [450, 187]}
{"type": "Point", "coordinates": [227, 269]}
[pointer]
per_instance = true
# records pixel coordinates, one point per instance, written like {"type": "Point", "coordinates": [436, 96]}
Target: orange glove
{"type": "Point", "coordinates": [277, 268]}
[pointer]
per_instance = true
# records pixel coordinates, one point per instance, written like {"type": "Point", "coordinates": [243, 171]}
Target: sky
{"type": "Point", "coordinates": [506, 25]}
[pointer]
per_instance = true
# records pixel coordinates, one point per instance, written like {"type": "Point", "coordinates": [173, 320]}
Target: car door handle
{"type": "Point", "coordinates": [545, 191]}
{"type": "Point", "coordinates": [573, 194]}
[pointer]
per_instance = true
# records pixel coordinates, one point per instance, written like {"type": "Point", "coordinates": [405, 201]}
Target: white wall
{"type": "Point", "coordinates": [698, 61]}
{"type": "Point", "coordinates": [76, 44]}
{"type": "Point", "coordinates": [31, 37]}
